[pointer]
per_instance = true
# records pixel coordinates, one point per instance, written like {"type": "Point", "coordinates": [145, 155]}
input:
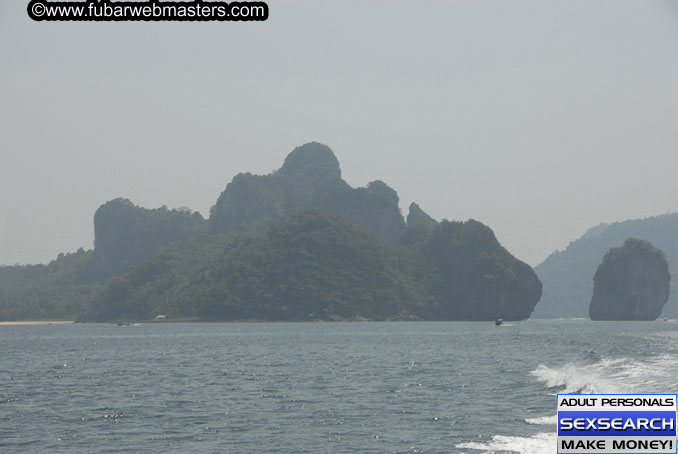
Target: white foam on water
{"type": "Point", "coordinates": [541, 443]}
{"type": "Point", "coordinates": [574, 378]}
{"type": "Point", "coordinates": [623, 375]}
{"type": "Point", "coordinates": [543, 420]}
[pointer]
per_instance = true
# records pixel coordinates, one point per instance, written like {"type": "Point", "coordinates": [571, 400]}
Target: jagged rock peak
{"type": "Point", "coordinates": [314, 161]}
{"type": "Point", "coordinates": [382, 190]}
{"type": "Point", "coordinates": [310, 178]}
{"type": "Point", "coordinates": [418, 216]}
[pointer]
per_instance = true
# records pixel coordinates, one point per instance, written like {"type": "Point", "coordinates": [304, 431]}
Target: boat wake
{"type": "Point", "coordinates": [541, 443]}
{"type": "Point", "coordinates": [607, 375]}
{"type": "Point", "coordinates": [543, 420]}
{"type": "Point", "coordinates": [622, 375]}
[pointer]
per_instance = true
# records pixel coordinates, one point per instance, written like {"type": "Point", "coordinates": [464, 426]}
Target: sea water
{"type": "Point", "coordinates": [410, 387]}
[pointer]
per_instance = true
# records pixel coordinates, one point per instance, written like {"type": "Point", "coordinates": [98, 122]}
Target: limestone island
{"type": "Point", "coordinates": [632, 283]}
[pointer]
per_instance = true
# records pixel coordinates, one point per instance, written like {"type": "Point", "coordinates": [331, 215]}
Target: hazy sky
{"type": "Point", "coordinates": [538, 118]}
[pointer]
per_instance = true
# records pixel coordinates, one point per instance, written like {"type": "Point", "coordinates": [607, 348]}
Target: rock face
{"type": "Point", "coordinates": [632, 283]}
{"type": "Point", "coordinates": [472, 277]}
{"type": "Point", "coordinates": [310, 178]}
{"type": "Point", "coordinates": [419, 226]}
{"type": "Point", "coordinates": [417, 216]}
{"type": "Point", "coordinates": [567, 274]}
{"type": "Point", "coordinates": [126, 234]}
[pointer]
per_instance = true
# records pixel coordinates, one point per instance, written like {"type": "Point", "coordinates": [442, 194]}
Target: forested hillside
{"type": "Point", "coordinates": [296, 244]}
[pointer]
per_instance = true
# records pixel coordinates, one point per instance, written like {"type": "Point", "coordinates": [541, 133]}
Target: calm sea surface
{"type": "Point", "coordinates": [314, 387]}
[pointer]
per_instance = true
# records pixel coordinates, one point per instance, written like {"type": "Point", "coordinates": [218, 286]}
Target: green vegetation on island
{"type": "Point", "coordinates": [314, 266]}
{"type": "Point", "coordinates": [297, 244]}
{"type": "Point", "coordinates": [310, 266]}
{"type": "Point", "coordinates": [60, 290]}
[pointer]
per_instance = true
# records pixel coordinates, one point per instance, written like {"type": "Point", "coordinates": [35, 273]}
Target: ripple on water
{"type": "Point", "coordinates": [288, 388]}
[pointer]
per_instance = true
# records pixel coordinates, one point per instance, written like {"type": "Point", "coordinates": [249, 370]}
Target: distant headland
{"type": "Point", "coordinates": [297, 244]}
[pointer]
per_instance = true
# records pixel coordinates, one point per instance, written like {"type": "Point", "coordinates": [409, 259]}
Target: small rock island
{"type": "Point", "coordinates": [632, 283]}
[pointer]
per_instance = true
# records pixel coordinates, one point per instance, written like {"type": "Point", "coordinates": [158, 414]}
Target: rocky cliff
{"type": "Point", "coordinates": [472, 277]}
{"type": "Point", "coordinates": [566, 275]}
{"type": "Point", "coordinates": [126, 234]}
{"type": "Point", "coordinates": [632, 283]}
{"type": "Point", "coordinates": [310, 178]}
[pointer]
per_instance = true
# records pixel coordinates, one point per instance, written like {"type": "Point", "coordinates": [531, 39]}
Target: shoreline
{"type": "Point", "coordinates": [37, 322]}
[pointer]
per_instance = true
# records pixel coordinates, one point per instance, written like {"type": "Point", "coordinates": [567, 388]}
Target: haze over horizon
{"type": "Point", "coordinates": [539, 119]}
